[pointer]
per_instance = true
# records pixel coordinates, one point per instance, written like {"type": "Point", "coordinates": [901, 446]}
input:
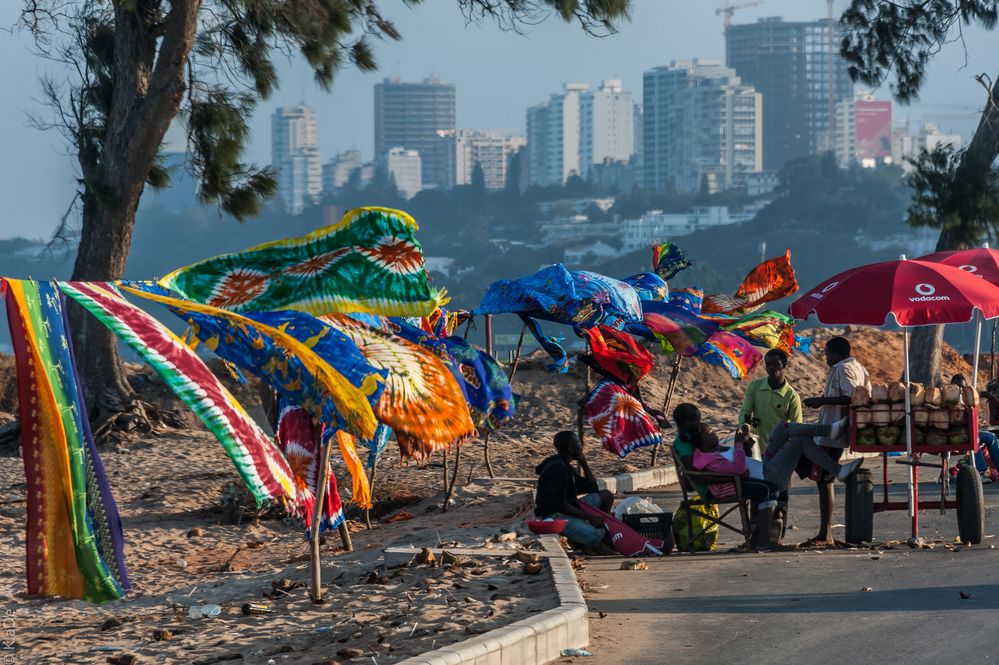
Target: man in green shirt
{"type": "Point", "coordinates": [771, 400]}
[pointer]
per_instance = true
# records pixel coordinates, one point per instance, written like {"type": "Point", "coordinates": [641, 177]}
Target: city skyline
{"type": "Point", "coordinates": [493, 92]}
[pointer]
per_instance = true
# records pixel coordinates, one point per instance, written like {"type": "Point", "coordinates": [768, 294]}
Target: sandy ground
{"type": "Point", "coordinates": [181, 553]}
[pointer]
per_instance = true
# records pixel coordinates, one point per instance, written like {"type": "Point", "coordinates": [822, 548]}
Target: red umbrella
{"type": "Point", "coordinates": [980, 261]}
{"type": "Point", "coordinates": [915, 293]}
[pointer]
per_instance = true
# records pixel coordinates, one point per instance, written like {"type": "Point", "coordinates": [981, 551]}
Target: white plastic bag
{"type": "Point", "coordinates": [635, 505]}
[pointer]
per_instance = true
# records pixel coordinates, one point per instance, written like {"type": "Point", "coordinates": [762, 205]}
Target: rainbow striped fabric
{"type": "Point", "coordinates": [258, 460]}
{"type": "Point", "coordinates": [75, 546]}
{"type": "Point", "coordinates": [677, 329]}
{"type": "Point", "coordinates": [369, 261]}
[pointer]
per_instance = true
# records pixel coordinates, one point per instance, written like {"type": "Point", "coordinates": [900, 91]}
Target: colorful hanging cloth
{"type": "Point", "coordinates": [258, 460]}
{"type": "Point", "coordinates": [677, 329]}
{"type": "Point", "coordinates": [732, 352]}
{"type": "Point", "coordinates": [360, 492]}
{"type": "Point", "coordinates": [668, 260]}
{"type": "Point", "coordinates": [649, 285]}
{"type": "Point", "coordinates": [74, 541]}
{"type": "Point", "coordinates": [422, 402]}
{"type": "Point", "coordinates": [369, 261]}
{"type": "Point", "coordinates": [376, 445]}
{"type": "Point", "coordinates": [619, 419]}
{"type": "Point", "coordinates": [551, 345]}
{"type": "Point", "coordinates": [581, 299]}
{"type": "Point", "coordinates": [281, 348]}
{"type": "Point", "coordinates": [619, 355]}
{"type": "Point", "coordinates": [300, 440]}
{"type": "Point", "coordinates": [689, 299]}
{"type": "Point", "coordinates": [484, 383]}
{"type": "Point", "coordinates": [771, 280]}
{"type": "Point", "coordinates": [444, 323]}
{"type": "Point", "coordinates": [768, 329]}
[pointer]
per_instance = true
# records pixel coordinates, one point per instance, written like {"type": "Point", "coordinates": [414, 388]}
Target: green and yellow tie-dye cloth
{"type": "Point", "coordinates": [368, 262]}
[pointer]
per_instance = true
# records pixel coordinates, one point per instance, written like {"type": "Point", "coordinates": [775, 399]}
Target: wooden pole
{"type": "Point", "coordinates": [489, 334]}
{"type": "Point", "coordinates": [371, 484]}
{"type": "Point", "coordinates": [454, 478]}
{"type": "Point", "coordinates": [677, 360]}
{"type": "Point", "coordinates": [513, 373]}
{"type": "Point", "coordinates": [348, 544]}
{"type": "Point", "coordinates": [317, 516]}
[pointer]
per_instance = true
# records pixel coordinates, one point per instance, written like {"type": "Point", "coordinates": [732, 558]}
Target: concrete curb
{"type": "Point", "coordinates": [533, 641]}
{"type": "Point", "coordinates": [639, 480]}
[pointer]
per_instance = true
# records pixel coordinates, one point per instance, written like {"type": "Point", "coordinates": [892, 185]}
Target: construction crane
{"type": "Point", "coordinates": [729, 9]}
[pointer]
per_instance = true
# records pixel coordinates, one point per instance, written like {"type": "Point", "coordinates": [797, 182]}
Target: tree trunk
{"type": "Point", "coordinates": [149, 85]}
{"type": "Point", "coordinates": [981, 153]}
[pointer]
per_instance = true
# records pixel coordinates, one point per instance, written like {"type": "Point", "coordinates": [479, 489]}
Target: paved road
{"type": "Point", "coordinates": [805, 606]}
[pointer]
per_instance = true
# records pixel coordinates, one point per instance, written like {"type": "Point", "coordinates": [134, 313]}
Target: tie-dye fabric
{"type": "Point", "coordinates": [422, 402]}
{"type": "Point", "coordinates": [300, 439]}
{"type": "Point", "coordinates": [581, 299]}
{"type": "Point", "coordinates": [768, 328]}
{"type": "Point", "coordinates": [668, 260]}
{"type": "Point", "coordinates": [73, 537]}
{"type": "Point", "coordinates": [376, 445]}
{"type": "Point", "coordinates": [257, 458]}
{"type": "Point", "coordinates": [677, 329]}
{"type": "Point", "coordinates": [369, 261]}
{"type": "Point", "coordinates": [484, 383]}
{"type": "Point", "coordinates": [360, 492]}
{"type": "Point", "coordinates": [689, 299]}
{"type": "Point", "coordinates": [649, 285]}
{"type": "Point", "coordinates": [288, 364]}
{"type": "Point", "coordinates": [732, 352]}
{"type": "Point", "coordinates": [617, 354]}
{"type": "Point", "coordinates": [771, 280]}
{"type": "Point", "coordinates": [551, 345]}
{"type": "Point", "coordinates": [619, 419]}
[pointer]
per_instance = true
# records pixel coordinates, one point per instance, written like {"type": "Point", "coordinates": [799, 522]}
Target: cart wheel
{"type": "Point", "coordinates": [970, 505]}
{"type": "Point", "coordinates": [860, 507]}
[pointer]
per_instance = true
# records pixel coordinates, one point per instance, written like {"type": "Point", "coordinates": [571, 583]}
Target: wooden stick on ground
{"type": "Point", "coordinates": [454, 478]}
{"type": "Point", "coordinates": [677, 360]}
{"type": "Point", "coordinates": [317, 516]}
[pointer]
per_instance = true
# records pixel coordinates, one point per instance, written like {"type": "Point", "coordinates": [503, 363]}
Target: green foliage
{"type": "Point", "coordinates": [933, 184]}
{"type": "Point", "coordinates": [900, 37]}
{"type": "Point", "coordinates": [219, 72]}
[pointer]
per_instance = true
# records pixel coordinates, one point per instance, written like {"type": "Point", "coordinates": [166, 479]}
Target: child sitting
{"type": "Point", "coordinates": [710, 456]}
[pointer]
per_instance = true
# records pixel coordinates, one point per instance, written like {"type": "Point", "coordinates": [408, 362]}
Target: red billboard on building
{"type": "Point", "coordinates": [873, 133]}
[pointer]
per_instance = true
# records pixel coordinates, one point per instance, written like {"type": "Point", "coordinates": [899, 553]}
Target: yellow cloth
{"type": "Point", "coordinates": [360, 492]}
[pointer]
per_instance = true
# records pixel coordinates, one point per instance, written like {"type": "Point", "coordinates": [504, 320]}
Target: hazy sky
{"type": "Point", "coordinates": [498, 75]}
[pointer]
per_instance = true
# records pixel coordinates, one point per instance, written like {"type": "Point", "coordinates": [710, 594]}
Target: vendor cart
{"type": "Point", "coordinates": [862, 501]}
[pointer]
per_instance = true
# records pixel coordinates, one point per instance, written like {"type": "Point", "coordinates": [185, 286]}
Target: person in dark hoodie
{"type": "Point", "coordinates": [560, 487]}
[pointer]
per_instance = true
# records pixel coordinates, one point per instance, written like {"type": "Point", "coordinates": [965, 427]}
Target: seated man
{"type": "Point", "coordinates": [559, 487]}
{"type": "Point", "coordinates": [710, 456]}
{"type": "Point", "coordinates": [790, 442]}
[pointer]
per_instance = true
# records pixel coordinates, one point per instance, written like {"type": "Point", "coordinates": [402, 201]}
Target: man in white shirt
{"type": "Point", "coordinates": [845, 374]}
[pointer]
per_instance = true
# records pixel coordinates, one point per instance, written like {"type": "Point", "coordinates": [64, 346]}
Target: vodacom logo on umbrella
{"type": "Point", "coordinates": [926, 293]}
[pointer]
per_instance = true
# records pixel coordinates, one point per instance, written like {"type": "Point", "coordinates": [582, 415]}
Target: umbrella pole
{"type": "Point", "coordinates": [992, 355]}
{"type": "Point", "coordinates": [669, 397]}
{"type": "Point", "coordinates": [913, 510]}
{"type": "Point", "coordinates": [317, 516]}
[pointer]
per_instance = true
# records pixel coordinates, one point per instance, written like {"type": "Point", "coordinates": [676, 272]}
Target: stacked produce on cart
{"type": "Point", "coordinates": [939, 415]}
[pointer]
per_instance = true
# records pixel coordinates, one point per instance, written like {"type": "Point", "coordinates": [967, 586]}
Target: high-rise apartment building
{"type": "Point", "coordinates": [489, 150]}
{"type": "Point", "coordinates": [797, 68]}
{"type": "Point", "coordinates": [406, 169]}
{"type": "Point", "coordinates": [414, 116]}
{"type": "Point", "coordinates": [702, 127]}
{"type": "Point", "coordinates": [606, 126]}
{"type": "Point", "coordinates": [553, 137]}
{"type": "Point", "coordinates": [337, 172]}
{"type": "Point", "coordinates": [862, 132]}
{"type": "Point", "coordinates": [295, 158]}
